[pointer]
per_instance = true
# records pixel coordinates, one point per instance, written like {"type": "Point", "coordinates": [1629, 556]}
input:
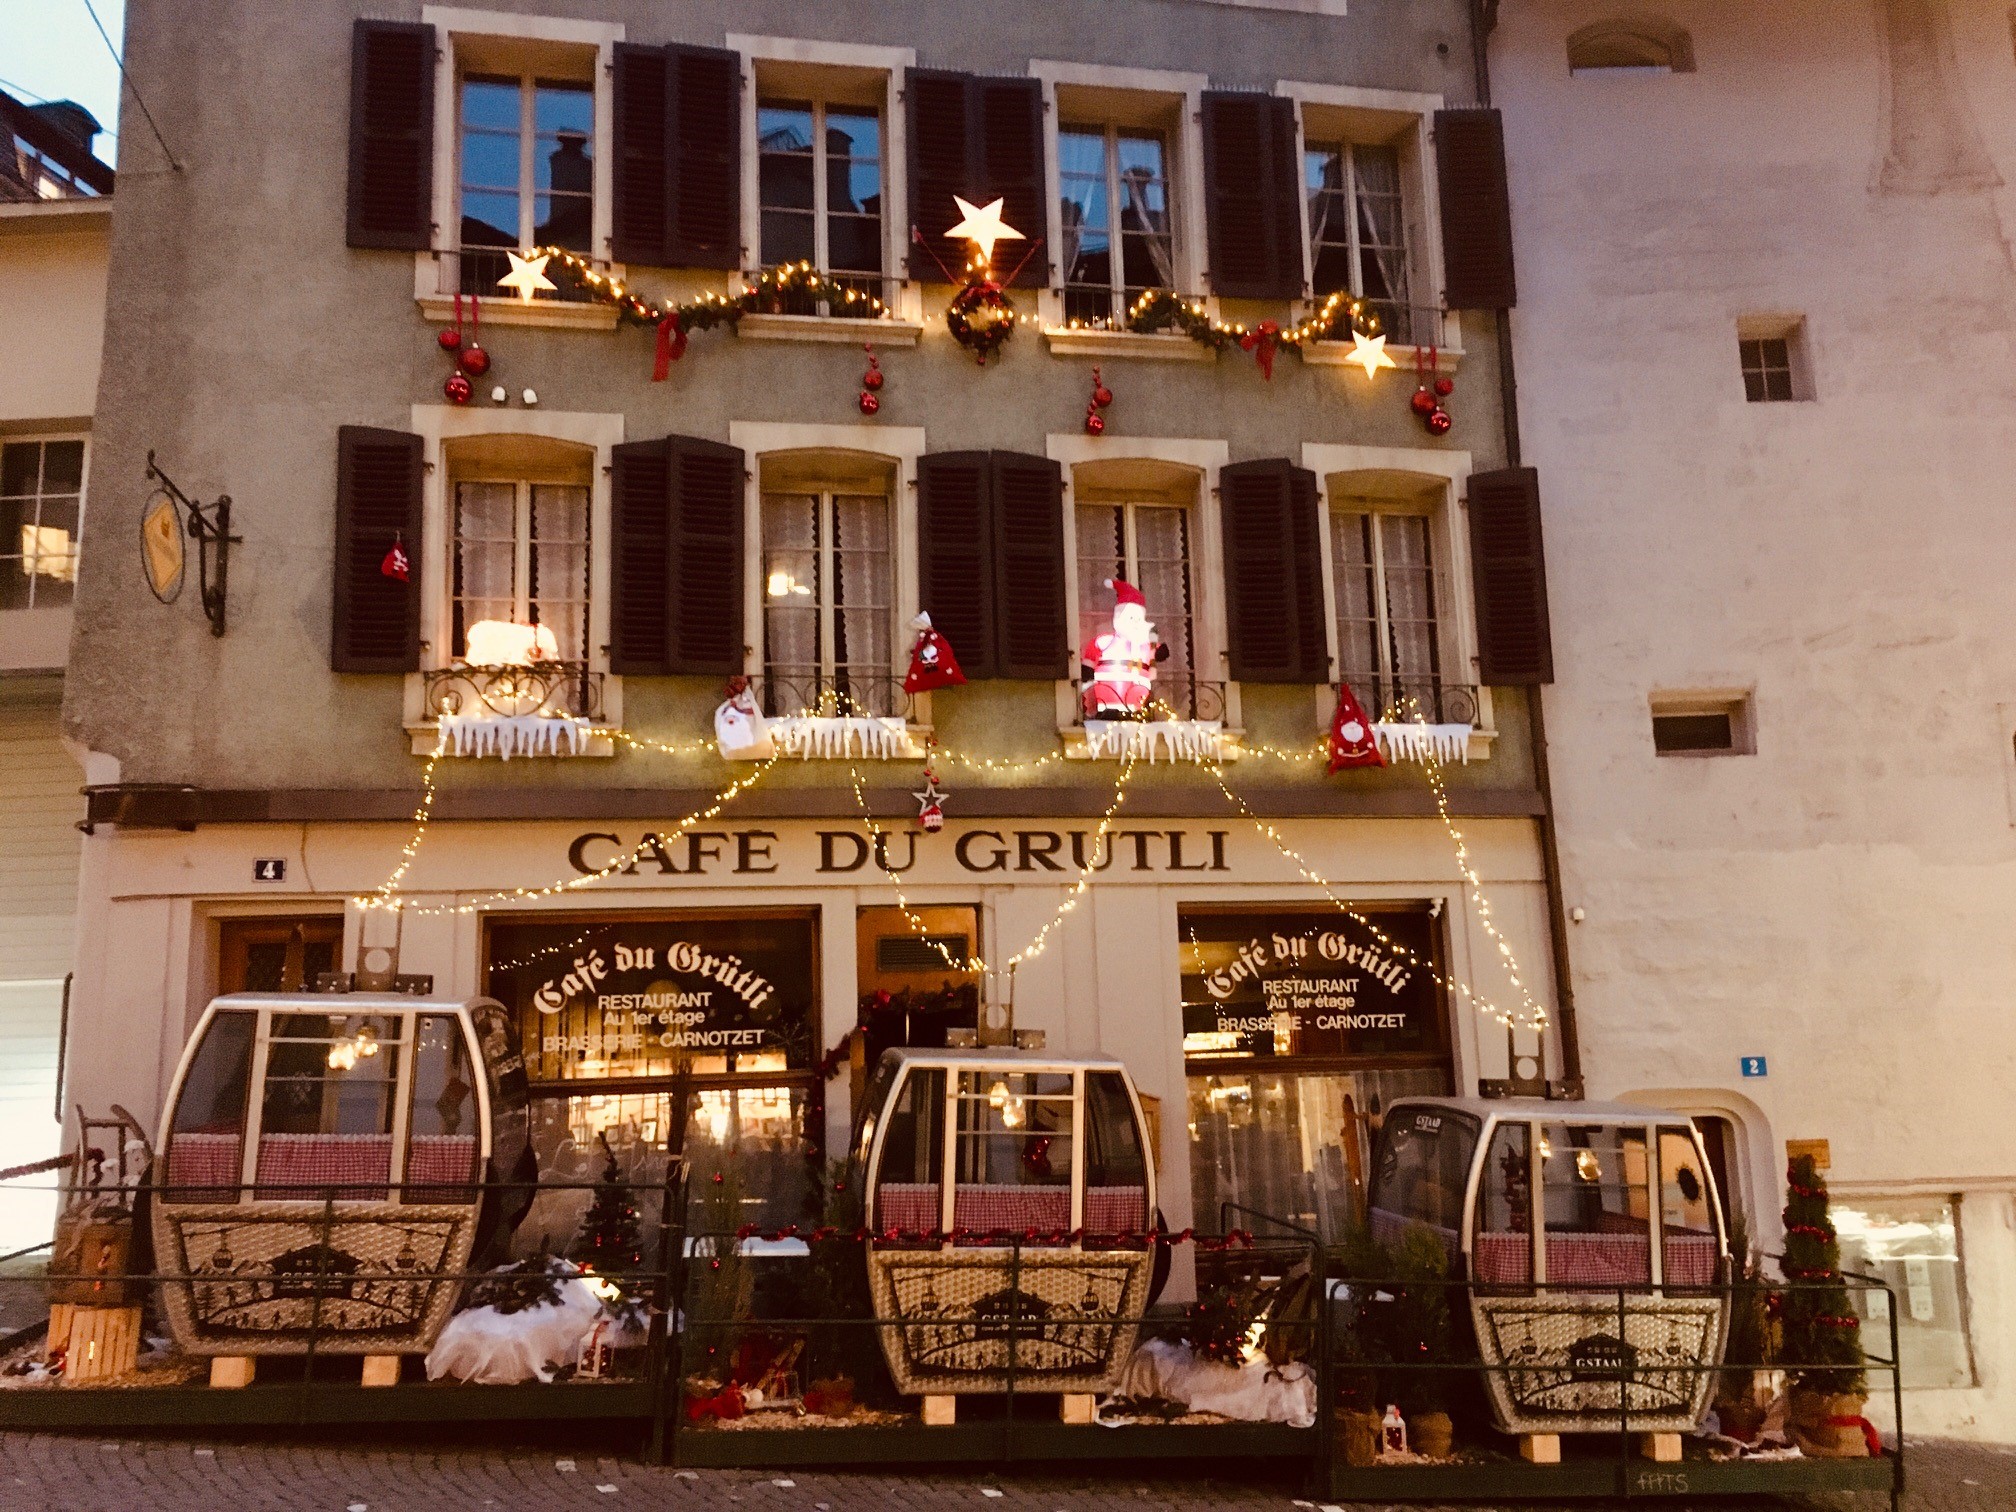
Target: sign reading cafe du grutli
{"type": "Point", "coordinates": [629, 998]}
{"type": "Point", "coordinates": [1313, 983]}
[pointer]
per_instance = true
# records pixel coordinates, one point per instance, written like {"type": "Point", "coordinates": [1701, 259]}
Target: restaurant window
{"type": "Point", "coordinates": [1913, 1244]}
{"type": "Point", "coordinates": [1390, 620]}
{"type": "Point", "coordinates": [527, 165]}
{"type": "Point", "coordinates": [819, 186]}
{"type": "Point", "coordinates": [1301, 1027]}
{"type": "Point", "coordinates": [1358, 232]}
{"type": "Point", "coordinates": [41, 504]}
{"type": "Point", "coordinates": [521, 558]}
{"type": "Point", "coordinates": [828, 603]}
{"type": "Point", "coordinates": [1118, 241]}
{"type": "Point", "coordinates": [667, 1036]}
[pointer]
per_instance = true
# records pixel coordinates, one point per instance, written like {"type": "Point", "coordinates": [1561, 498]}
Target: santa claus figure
{"type": "Point", "coordinates": [1117, 666]}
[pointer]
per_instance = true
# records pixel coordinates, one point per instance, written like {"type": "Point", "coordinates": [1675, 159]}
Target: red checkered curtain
{"type": "Point", "coordinates": [305, 1167]}
{"type": "Point", "coordinates": [908, 1206]}
{"type": "Point", "coordinates": [1503, 1259]}
{"type": "Point", "coordinates": [1018, 1209]}
{"type": "Point", "coordinates": [203, 1167]}
{"type": "Point", "coordinates": [439, 1167]}
{"type": "Point", "coordinates": [1116, 1209]}
{"type": "Point", "coordinates": [1600, 1260]}
{"type": "Point", "coordinates": [1690, 1259]}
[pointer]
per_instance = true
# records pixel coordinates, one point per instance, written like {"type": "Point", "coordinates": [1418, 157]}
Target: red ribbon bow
{"type": "Point", "coordinates": [671, 346]}
{"type": "Point", "coordinates": [1262, 341]}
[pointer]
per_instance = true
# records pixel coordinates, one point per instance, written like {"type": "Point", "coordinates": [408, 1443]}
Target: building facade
{"type": "Point", "coordinates": [1763, 347]}
{"type": "Point", "coordinates": [556, 556]}
{"type": "Point", "coordinates": [55, 229]}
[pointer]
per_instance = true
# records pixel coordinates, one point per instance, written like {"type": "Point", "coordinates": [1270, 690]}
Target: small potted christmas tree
{"type": "Point", "coordinates": [1821, 1338]}
{"type": "Point", "coordinates": [610, 1241]}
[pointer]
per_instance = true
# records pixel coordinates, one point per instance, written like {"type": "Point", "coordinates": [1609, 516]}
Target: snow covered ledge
{"type": "Point", "coordinates": [1150, 740]}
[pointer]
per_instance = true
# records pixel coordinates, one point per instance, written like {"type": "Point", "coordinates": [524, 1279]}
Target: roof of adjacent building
{"type": "Point", "coordinates": [48, 151]}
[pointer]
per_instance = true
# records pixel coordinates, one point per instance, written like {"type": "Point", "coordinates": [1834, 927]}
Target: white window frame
{"type": "Point", "coordinates": [904, 300]}
{"type": "Point", "coordinates": [1096, 93]}
{"type": "Point", "coordinates": [1381, 510]}
{"type": "Point", "coordinates": [1205, 458]}
{"type": "Point", "coordinates": [38, 638]}
{"type": "Point", "coordinates": [433, 270]}
{"type": "Point", "coordinates": [897, 447]}
{"type": "Point", "coordinates": [441, 425]}
{"type": "Point", "coordinates": [1443, 473]}
{"type": "Point", "coordinates": [1341, 112]}
{"type": "Point", "coordinates": [828, 537]}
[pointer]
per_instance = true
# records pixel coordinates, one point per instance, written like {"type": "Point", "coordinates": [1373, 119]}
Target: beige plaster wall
{"type": "Point", "coordinates": [1841, 901]}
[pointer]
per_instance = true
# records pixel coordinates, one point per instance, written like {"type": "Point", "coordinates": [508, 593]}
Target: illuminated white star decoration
{"type": "Point", "coordinates": [1370, 354]}
{"type": "Point", "coordinates": [527, 276]}
{"type": "Point", "coordinates": [982, 225]}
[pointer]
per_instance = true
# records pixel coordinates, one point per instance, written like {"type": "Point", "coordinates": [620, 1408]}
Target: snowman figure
{"type": "Point", "coordinates": [1117, 666]}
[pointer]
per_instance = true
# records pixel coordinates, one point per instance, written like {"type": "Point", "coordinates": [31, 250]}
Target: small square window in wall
{"type": "Point", "coordinates": [1773, 355]}
{"type": "Point", "coordinates": [1702, 725]}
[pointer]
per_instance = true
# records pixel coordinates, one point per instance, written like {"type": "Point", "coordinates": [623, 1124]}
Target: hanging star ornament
{"type": "Point", "coordinates": [983, 226]}
{"type": "Point", "coordinates": [1370, 353]}
{"type": "Point", "coordinates": [527, 276]}
{"type": "Point", "coordinates": [931, 804]}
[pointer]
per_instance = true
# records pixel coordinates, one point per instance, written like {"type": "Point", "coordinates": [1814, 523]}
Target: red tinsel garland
{"type": "Point", "coordinates": [1235, 1239]}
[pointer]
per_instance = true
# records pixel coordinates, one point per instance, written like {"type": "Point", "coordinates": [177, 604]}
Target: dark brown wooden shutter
{"type": "Point", "coordinates": [1477, 269]}
{"type": "Point", "coordinates": [1030, 636]}
{"type": "Point", "coordinates": [640, 593]}
{"type": "Point", "coordinates": [391, 201]}
{"type": "Point", "coordinates": [1273, 573]}
{"type": "Point", "coordinates": [981, 138]}
{"type": "Point", "coordinates": [1515, 646]}
{"type": "Point", "coordinates": [1252, 196]}
{"type": "Point", "coordinates": [375, 619]}
{"type": "Point", "coordinates": [642, 133]}
{"type": "Point", "coordinates": [704, 559]}
{"type": "Point", "coordinates": [704, 196]}
{"type": "Point", "coordinates": [955, 568]}
{"type": "Point", "coordinates": [939, 123]}
{"type": "Point", "coordinates": [1009, 166]}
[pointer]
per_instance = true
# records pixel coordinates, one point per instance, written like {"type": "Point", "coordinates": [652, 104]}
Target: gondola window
{"type": "Point", "coordinates": [206, 1147]}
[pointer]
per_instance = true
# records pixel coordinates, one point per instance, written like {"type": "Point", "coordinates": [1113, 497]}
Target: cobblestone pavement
{"type": "Point", "coordinates": [63, 1473]}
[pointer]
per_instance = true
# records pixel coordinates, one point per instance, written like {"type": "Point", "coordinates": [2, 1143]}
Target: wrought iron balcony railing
{"type": "Point", "coordinates": [475, 270]}
{"type": "Point", "coordinates": [1172, 698]}
{"type": "Point", "coordinates": [1427, 700]}
{"type": "Point", "coordinates": [548, 688]}
{"type": "Point", "coordinates": [869, 696]}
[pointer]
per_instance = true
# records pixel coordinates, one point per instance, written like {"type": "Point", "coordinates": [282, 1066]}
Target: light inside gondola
{"type": "Point", "coordinates": [1588, 1166]}
{"type": "Point", "coordinates": [345, 1053]}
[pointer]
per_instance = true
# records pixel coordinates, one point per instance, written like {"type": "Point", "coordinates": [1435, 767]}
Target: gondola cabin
{"type": "Point", "coordinates": [1592, 1239]}
{"type": "Point", "coordinates": [1010, 1192]}
{"type": "Point", "coordinates": [321, 1169]}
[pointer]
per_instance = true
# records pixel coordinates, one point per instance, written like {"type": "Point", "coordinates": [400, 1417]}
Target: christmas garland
{"type": "Point", "coordinates": [1233, 1239]}
{"type": "Point", "coordinates": [980, 314]}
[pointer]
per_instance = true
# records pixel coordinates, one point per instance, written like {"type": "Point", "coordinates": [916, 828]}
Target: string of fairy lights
{"type": "Point", "coordinates": [1530, 1014]}
{"type": "Point", "coordinates": [1040, 940]}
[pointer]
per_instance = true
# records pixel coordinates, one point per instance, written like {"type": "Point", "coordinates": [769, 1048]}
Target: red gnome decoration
{"type": "Point", "coordinates": [1117, 666]}
{"type": "Point", "coordinates": [1351, 740]}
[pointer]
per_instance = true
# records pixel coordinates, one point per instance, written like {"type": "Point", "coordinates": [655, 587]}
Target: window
{"type": "Point", "coordinates": [527, 170]}
{"type": "Point", "coordinates": [1148, 545]}
{"type": "Point", "coordinates": [1702, 725]}
{"type": "Point", "coordinates": [1593, 1185]}
{"type": "Point", "coordinates": [828, 601]}
{"type": "Point", "coordinates": [1646, 45]}
{"type": "Point", "coordinates": [1914, 1245]}
{"type": "Point", "coordinates": [1114, 182]}
{"type": "Point", "coordinates": [1358, 231]}
{"type": "Point", "coordinates": [1772, 351]}
{"type": "Point", "coordinates": [1390, 622]}
{"type": "Point", "coordinates": [521, 558]}
{"type": "Point", "coordinates": [41, 498]}
{"type": "Point", "coordinates": [819, 179]}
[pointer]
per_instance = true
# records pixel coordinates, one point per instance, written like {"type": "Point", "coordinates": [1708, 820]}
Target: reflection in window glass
{"type": "Point", "coordinates": [1424, 1168]}
{"type": "Point", "coordinates": [1293, 1145]}
{"type": "Point", "coordinates": [1503, 1243]}
{"type": "Point", "coordinates": [1114, 182]}
{"type": "Point", "coordinates": [527, 171]}
{"type": "Point", "coordinates": [206, 1144]}
{"type": "Point", "coordinates": [1913, 1244]}
{"type": "Point", "coordinates": [41, 496]}
{"type": "Point", "coordinates": [800, 147]}
{"type": "Point", "coordinates": [1358, 231]}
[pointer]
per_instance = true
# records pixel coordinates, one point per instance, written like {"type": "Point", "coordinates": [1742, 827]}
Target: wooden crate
{"type": "Point", "coordinates": [98, 1342]}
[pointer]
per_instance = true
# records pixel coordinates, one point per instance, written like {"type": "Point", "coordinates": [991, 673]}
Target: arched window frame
{"type": "Point", "coordinates": [1594, 48]}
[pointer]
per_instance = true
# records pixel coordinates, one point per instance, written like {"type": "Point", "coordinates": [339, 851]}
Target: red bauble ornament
{"type": "Point", "coordinates": [1423, 401]}
{"type": "Point", "coordinates": [1445, 386]}
{"type": "Point", "coordinates": [869, 403]}
{"type": "Point", "coordinates": [450, 339]}
{"type": "Point", "coordinates": [1439, 421]}
{"type": "Point", "coordinates": [457, 388]}
{"type": "Point", "coordinates": [872, 378]}
{"type": "Point", "coordinates": [475, 361]}
{"type": "Point", "coordinates": [1102, 396]}
{"type": "Point", "coordinates": [1095, 423]}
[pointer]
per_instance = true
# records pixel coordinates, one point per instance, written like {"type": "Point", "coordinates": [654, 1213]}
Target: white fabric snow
{"type": "Point", "coordinates": [1411, 740]}
{"type": "Point", "coordinates": [1255, 1392]}
{"type": "Point", "coordinates": [502, 1349]}
{"type": "Point", "coordinates": [1178, 739]}
{"type": "Point", "coordinates": [834, 736]}
{"type": "Point", "coordinates": [509, 735]}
